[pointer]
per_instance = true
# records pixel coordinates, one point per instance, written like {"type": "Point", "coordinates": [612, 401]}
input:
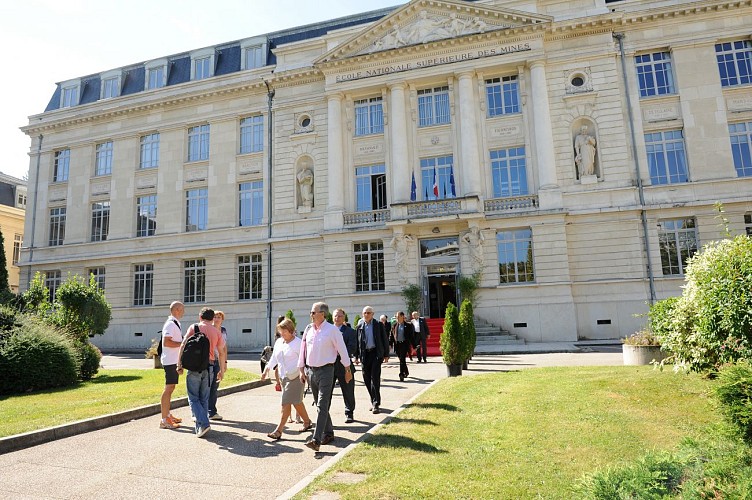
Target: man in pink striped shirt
{"type": "Point", "coordinates": [322, 341]}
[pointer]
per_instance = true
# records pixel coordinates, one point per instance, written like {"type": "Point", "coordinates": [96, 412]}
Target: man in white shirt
{"type": "Point", "coordinates": [171, 338]}
{"type": "Point", "coordinates": [322, 342]}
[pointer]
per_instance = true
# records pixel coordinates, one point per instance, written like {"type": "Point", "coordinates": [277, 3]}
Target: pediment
{"type": "Point", "coordinates": [424, 21]}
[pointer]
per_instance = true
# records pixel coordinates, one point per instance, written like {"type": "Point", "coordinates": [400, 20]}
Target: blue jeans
{"type": "Point", "coordinates": [197, 384]}
{"type": "Point", "coordinates": [214, 385]}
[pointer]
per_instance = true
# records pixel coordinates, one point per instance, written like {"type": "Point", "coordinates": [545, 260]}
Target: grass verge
{"type": "Point", "coordinates": [526, 434]}
{"type": "Point", "coordinates": [110, 391]}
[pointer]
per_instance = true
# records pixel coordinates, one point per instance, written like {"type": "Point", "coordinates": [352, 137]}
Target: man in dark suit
{"type": "Point", "coordinates": [351, 342]}
{"type": "Point", "coordinates": [402, 336]}
{"type": "Point", "coordinates": [421, 334]}
{"type": "Point", "coordinates": [373, 349]}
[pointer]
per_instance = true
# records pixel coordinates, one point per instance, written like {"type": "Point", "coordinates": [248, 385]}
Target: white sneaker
{"type": "Point", "coordinates": [201, 432]}
{"type": "Point", "coordinates": [216, 416]}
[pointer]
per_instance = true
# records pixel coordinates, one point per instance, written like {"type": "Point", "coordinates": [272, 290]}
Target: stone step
{"type": "Point", "coordinates": [499, 340]}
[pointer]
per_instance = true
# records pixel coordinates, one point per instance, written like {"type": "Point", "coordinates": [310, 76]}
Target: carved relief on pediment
{"type": "Point", "coordinates": [428, 27]}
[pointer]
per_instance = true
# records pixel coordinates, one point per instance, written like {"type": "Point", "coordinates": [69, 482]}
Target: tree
{"type": "Point", "coordinates": [5, 293]}
{"type": "Point", "coordinates": [82, 309]}
{"type": "Point", "coordinates": [37, 298]}
{"type": "Point", "coordinates": [412, 295]}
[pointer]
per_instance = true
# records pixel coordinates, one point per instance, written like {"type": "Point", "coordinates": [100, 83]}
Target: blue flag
{"type": "Point", "coordinates": [413, 189]}
{"type": "Point", "coordinates": [451, 180]}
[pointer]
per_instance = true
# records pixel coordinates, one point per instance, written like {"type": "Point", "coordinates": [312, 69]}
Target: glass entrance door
{"type": "Point", "coordinates": [440, 261]}
{"type": "Point", "coordinates": [442, 289]}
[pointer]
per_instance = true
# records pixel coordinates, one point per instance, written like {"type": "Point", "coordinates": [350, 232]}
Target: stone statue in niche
{"type": "Point", "coordinates": [584, 150]}
{"type": "Point", "coordinates": [474, 239]}
{"type": "Point", "coordinates": [305, 183]}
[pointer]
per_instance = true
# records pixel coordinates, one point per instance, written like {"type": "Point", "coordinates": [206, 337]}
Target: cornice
{"type": "Point", "coordinates": [683, 10]}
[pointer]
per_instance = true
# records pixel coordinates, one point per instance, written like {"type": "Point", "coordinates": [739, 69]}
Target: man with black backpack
{"type": "Point", "coordinates": [168, 349]}
{"type": "Point", "coordinates": [197, 356]}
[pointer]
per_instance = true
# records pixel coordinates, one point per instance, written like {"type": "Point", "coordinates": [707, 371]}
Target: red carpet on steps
{"type": "Point", "coordinates": [435, 327]}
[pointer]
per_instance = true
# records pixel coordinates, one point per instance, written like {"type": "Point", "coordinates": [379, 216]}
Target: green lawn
{"type": "Point", "coordinates": [526, 434]}
{"type": "Point", "coordinates": [109, 392]}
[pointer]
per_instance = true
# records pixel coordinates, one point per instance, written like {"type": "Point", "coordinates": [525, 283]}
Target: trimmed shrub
{"type": "Point", "coordinates": [734, 392]}
{"type": "Point", "coordinates": [467, 328]}
{"type": "Point", "coordinates": [34, 358]}
{"type": "Point", "coordinates": [451, 342]}
{"type": "Point", "coordinates": [88, 356]}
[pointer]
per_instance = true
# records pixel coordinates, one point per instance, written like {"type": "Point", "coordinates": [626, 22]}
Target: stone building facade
{"type": "Point", "coordinates": [12, 210]}
{"type": "Point", "coordinates": [568, 153]}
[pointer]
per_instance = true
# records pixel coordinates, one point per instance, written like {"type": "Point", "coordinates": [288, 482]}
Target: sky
{"type": "Point", "coordinates": [52, 41]}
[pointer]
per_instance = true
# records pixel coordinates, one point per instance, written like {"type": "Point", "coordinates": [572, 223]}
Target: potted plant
{"type": "Point", "coordinates": [451, 343]}
{"type": "Point", "coordinates": [412, 295]}
{"type": "Point", "coordinates": [151, 353]}
{"type": "Point", "coordinates": [642, 348]}
{"type": "Point", "coordinates": [467, 330]}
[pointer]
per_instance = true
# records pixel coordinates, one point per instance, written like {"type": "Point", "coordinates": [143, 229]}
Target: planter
{"type": "Point", "coordinates": [641, 354]}
{"type": "Point", "coordinates": [157, 362]}
{"type": "Point", "coordinates": [464, 365]}
{"type": "Point", "coordinates": [454, 370]}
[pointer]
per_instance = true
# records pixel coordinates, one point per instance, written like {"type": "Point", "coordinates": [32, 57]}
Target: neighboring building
{"type": "Point", "coordinates": [570, 152]}
{"type": "Point", "coordinates": [12, 210]}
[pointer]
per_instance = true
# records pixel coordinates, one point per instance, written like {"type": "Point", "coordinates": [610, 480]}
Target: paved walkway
{"type": "Point", "coordinates": [236, 459]}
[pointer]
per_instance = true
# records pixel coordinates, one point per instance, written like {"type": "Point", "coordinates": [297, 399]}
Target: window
{"type": "Point", "coordinates": [57, 226]}
{"type": "Point", "coordinates": [104, 158]}
{"type": "Point", "coordinates": [146, 215]}
{"type": "Point", "coordinates": [196, 209]}
{"type": "Point", "coordinates": [253, 57]}
{"type": "Point", "coordinates": [17, 244]}
{"type": "Point", "coordinates": [369, 116]}
{"type": "Point", "coordinates": [52, 280]}
{"type": "Point", "coordinates": [252, 134]}
{"type": "Point", "coordinates": [21, 199]}
{"type": "Point", "coordinates": [503, 95]}
{"type": "Point", "coordinates": [515, 248]}
{"type": "Point", "coordinates": [666, 159]}
{"type": "Point", "coordinates": [508, 172]}
{"type": "Point", "coordinates": [143, 284]}
{"type": "Point", "coordinates": [194, 280]}
{"type": "Point", "coordinates": [734, 62]}
{"type": "Point", "coordinates": [202, 68]}
{"type": "Point", "coordinates": [433, 106]}
{"type": "Point", "coordinates": [69, 96]}
{"type": "Point", "coordinates": [110, 87]}
{"type": "Point", "coordinates": [437, 178]}
{"type": "Point", "coordinates": [654, 74]}
{"type": "Point", "coordinates": [62, 164]}
{"type": "Point", "coordinates": [370, 188]}
{"type": "Point", "coordinates": [100, 220]}
{"type": "Point", "coordinates": [198, 143]}
{"type": "Point", "coordinates": [251, 203]}
{"type": "Point", "coordinates": [748, 223]}
{"type": "Point", "coordinates": [678, 241]}
{"type": "Point", "coordinates": [99, 275]}
{"type": "Point", "coordinates": [369, 266]}
{"type": "Point", "coordinates": [149, 151]}
{"type": "Point", "coordinates": [249, 277]}
{"type": "Point", "coordinates": [741, 139]}
{"type": "Point", "coordinates": [155, 77]}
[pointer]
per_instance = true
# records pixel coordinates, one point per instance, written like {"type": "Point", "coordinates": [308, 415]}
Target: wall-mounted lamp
{"type": "Point", "coordinates": [435, 230]}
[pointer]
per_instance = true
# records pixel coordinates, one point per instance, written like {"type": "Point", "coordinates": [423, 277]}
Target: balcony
{"type": "Point", "coordinates": [371, 217]}
{"type": "Point", "coordinates": [510, 203]}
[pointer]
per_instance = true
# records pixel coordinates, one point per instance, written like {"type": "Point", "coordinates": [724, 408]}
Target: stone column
{"type": "Point", "coordinates": [400, 159]}
{"type": "Point", "coordinates": [470, 163]}
{"type": "Point", "coordinates": [544, 138]}
{"type": "Point", "coordinates": [335, 204]}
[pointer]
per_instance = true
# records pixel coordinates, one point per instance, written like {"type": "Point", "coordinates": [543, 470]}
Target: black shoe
{"type": "Point", "coordinates": [376, 410]}
{"type": "Point", "coordinates": [313, 444]}
{"type": "Point", "coordinates": [349, 419]}
{"type": "Point", "coordinates": [327, 439]}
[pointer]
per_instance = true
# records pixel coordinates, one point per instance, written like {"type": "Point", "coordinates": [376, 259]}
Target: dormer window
{"type": "Point", "coordinates": [111, 84]}
{"type": "Point", "coordinates": [254, 53]}
{"type": "Point", "coordinates": [70, 92]}
{"type": "Point", "coordinates": [156, 74]}
{"type": "Point", "coordinates": [202, 64]}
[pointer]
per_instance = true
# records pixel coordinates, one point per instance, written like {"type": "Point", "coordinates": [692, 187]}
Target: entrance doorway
{"type": "Point", "coordinates": [440, 260]}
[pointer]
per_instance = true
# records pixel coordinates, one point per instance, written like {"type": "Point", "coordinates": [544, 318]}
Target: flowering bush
{"type": "Point", "coordinates": [643, 337]}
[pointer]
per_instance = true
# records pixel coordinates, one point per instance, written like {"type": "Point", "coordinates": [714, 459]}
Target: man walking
{"type": "Point", "coordinates": [351, 342]}
{"type": "Point", "coordinates": [322, 342]}
{"type": "Point", "coordinates": [421, 334]}
{"type": "Point", "coordinates": [402, 338]}
{"type": "Point", "coordinates": [197, 381]}
{"type": "Point", "coordinates": [373, 349]}
{"type": "Point", "coordinates": [172, 336]}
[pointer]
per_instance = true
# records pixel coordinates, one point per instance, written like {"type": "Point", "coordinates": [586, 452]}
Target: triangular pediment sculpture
{"type": "Point", "coordinates": [425, 21]}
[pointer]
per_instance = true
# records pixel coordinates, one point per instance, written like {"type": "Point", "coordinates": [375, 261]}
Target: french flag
{"type": "Point", "coordinates": [435, 183]}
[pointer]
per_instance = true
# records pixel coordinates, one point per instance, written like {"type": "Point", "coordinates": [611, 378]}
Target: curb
{"type": "Point", "coordinates": [303, 483]}
{"type": "Point", "coordinates": [34, 438]}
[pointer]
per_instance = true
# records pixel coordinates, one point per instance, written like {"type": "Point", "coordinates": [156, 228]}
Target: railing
{"type": "Point", "coordinates": [370, 217]}
{"type": "Point", "coordinates": [434, 208]}
{"type": "Point", "coordinates": [511, 203]}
